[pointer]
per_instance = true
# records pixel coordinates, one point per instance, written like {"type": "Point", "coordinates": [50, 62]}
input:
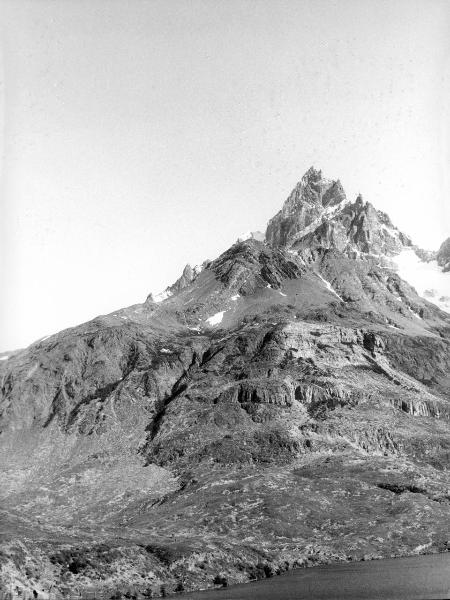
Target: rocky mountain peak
{"type": "Point", "coordinates": [317, 216]}
{"type": "Point", "coordinates": [310, 198]}
{"type": "Point", "coordinates": [312, 176]}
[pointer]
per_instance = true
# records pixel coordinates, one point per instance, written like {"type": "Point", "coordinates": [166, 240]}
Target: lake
{"type": "Point", "coordinates": [410, 578]}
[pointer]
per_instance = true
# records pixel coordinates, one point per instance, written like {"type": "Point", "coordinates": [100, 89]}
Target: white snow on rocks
{"type": "Point", "coordinates": [414, 314]}
{"type": "Point", "coordinates": [328, 213]}
{"type": "Point", "coordinates": [165, 351]}
{"type": "Point", "coordinates": [297, 255]}
{"type": "Point", "coordinates": [235, 297]}
{"type": "Point", "coordinates": [251, 235]}
{"type": "Point", "coordinates": [42, 339]}
{"type": "Point", "coordinates": [162, 296]}
{"type": "Point", "coordinates": [215, 319]}
{"type": "Point", "coordinates": [330, 287]}
{"type": "Point", "coordinates": [426, 277]}
{"type": "Point", "coordinates": [4, 357]}
{"type": "Point", "coordinates": [390, 230]}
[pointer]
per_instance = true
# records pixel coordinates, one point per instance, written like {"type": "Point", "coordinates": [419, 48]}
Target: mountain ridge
{"type": "Point", "coordinates": [317, 215]}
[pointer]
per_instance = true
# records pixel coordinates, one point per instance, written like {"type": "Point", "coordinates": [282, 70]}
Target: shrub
{"type": "Point", "coordinates": [220, 580]}
{"type": "Point", "coordinates": [260, 571]}
{"type": "Point", "coordinates": [77, 564]}
{"type": "Point", "coordinates": [268, 571]}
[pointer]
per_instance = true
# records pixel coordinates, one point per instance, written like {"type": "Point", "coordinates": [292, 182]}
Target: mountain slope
{"type": "Point", "coordinates": [286, 404]}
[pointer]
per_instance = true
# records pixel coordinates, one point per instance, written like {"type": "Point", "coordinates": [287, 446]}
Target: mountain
{"type": "Point", "coordinates": [284, 405]}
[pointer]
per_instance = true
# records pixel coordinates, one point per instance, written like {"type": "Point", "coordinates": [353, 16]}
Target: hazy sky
{"type": "Point", "coordinates": [139, 136]}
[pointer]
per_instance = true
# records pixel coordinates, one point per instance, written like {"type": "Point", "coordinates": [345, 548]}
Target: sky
{"type": "Point", "coordinates": [138, 136]}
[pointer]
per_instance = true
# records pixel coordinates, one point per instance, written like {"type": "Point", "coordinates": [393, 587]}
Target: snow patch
{"type": "Point", "coordinates": [281, 293]}
{"type": "Point", "coordinates": [296, 254]}
{"type": "Point", "coordinates": [330, 211]}
{"type": "Point", "coordinates": [251, 235]}
{"type": "Point", "coordinates": [198, 269]}
{"type": "Point", "coordinates": [426, 277]}
{"type": "Point", "coordinates": [391, 230]}
{"type": "Point", "coordinates": [4, 357]}
{"type": "Point", "coordinates": [165, 351]}
{"type": "Point", "coordinates": [235, 297]}
{"type": "Point", "coordinates": [162, 296]}
{"type": "Point", "coordinates": [330, 287]}
{"type": "Point", "coordinates": [414, 313]}
{"type": "Point", "coordinates": [42, 339]}
{"type": "Point", "coordinates": [216, 319]}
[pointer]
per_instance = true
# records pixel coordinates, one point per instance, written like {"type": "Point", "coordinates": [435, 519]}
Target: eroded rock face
{"type": "Point", "coordinates": [250, 264]}
{"type": "Point", "coordinates": [265, 388]}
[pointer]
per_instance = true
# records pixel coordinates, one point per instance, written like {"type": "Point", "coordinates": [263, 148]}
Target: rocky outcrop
{"type": "Point", "coordinates": [371, 231]}
{"type": "Point", "coordinates": [422, 408]}
{"type": "Point", "coordinates": [186, 278]}
{"type": "Point", "coordinates": [249, 265]}
{"type": "Point", "coordinates": [443, 256]}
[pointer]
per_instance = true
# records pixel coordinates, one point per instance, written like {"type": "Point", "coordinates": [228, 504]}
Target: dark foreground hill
{"type": "Point", "coordinates": [284, 405]}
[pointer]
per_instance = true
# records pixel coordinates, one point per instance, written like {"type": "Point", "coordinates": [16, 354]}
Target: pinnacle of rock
{"type": "Point", "coordinates": [308, 201]}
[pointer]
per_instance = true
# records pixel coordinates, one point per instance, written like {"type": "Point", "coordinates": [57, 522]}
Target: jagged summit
{"type": "Point", "coordinates": [318, 215]}
{"type": "Point", "coordinates": [316, 219]}
{"type": "Point", "coordinates": [186, 278]}
{"type": "Point", "coordinates": [308, 201]}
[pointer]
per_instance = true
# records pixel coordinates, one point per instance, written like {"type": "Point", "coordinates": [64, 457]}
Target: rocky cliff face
{"type": "Point", "coordinates": [312, 198]}
{"type": "Point", "coordinates": [287, 404]}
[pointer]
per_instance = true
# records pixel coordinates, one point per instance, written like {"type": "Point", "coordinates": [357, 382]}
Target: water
{"type": "Point", "coordinates": [411, 578]}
